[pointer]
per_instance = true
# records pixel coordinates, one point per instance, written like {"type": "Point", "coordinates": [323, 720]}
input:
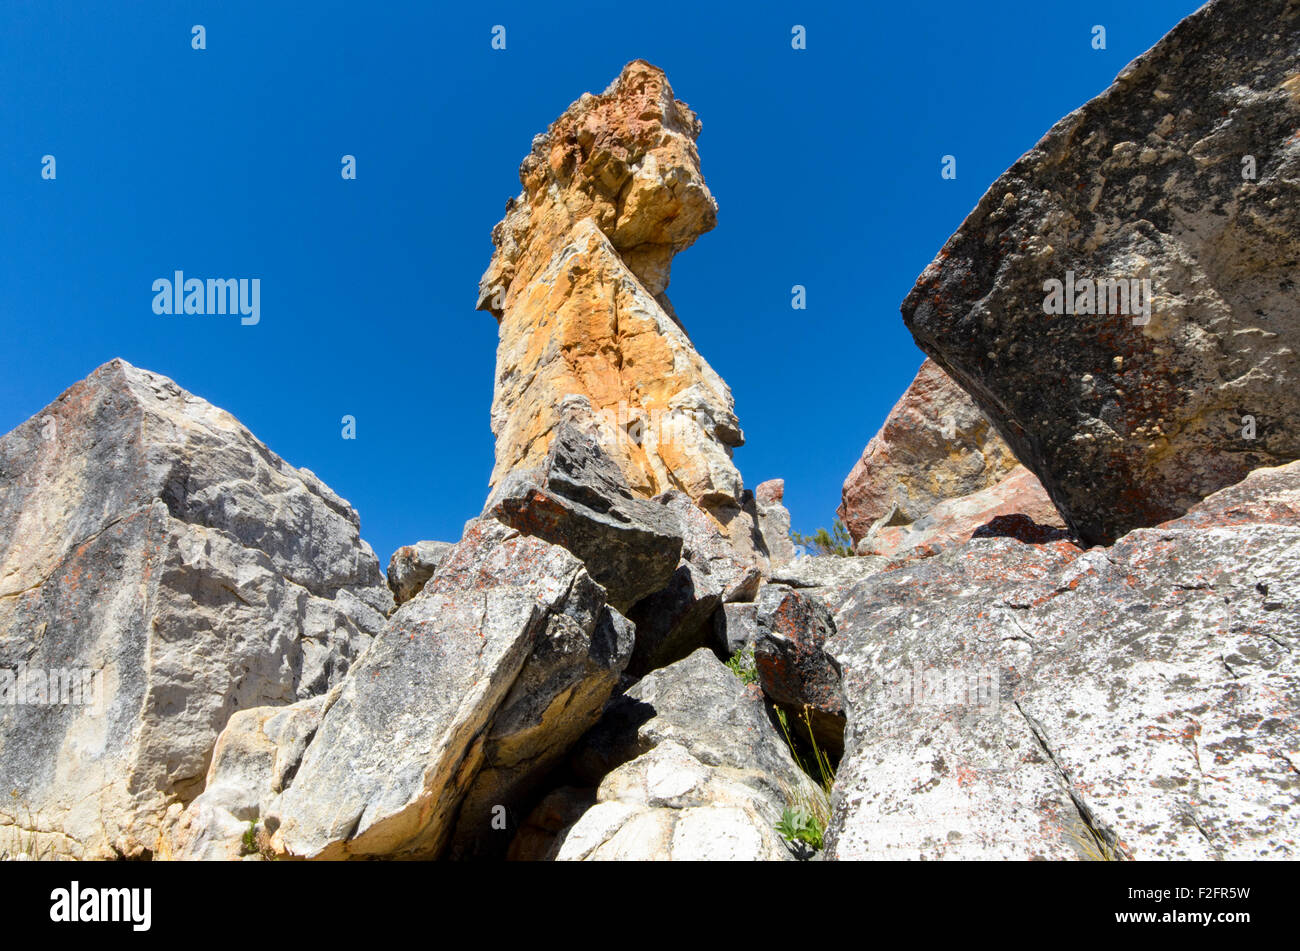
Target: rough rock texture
{"type": "Point", "coordinates": [611, 191]}
{"type": "Point", "coordinates": [733, 627]}
{"type": "Point", "coordinates": [706, 548]}
{"type": "Point", "coordinates": [774, 521]}
{"type": "Point", "coordinates": [577, 498]}
{"type": "Point", "coordinates": [678, 785]}
{"type": "Point", "coordinates": [470, 693]}
{"type": "Point", "coordinates": [412, 565]}
{"type": "Point", "coordinates": [150, 540]}
{"type": "Point", "coordinates": [1016, 505]}
{"type": "Point", "coordinates": [935, 445]}
{"type": "Point", "coordinates": [823, 574]}
{"type": "Point", "coordinates": [793, 667]}
{"type": "Point", "coordinates": [254, 761]}
{"type": "Point", "coordinates": [1016, 701]}
{"type": "Point", "coordinates": [1129, 421]}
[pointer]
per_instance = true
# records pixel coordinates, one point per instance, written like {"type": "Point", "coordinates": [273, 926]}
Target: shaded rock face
{"type": "Point", "coordinates": [935, 445]}
{"type": "Point", "coordinates": [1130, 420]}
{"type": "Point", "coordinates": [578, 498]}
{"type": "Point", "coordinates": [412, 565]}
{"type": "Point", "coordinates": [677, 785]}
{"type": "Point", "coordinates": [611, 192]}
{"type": "Point", "coordinates": [475, 687]}
{"type": "Point", "coordinates": [151, 543]}
{"type": "Point", "coordinates": [793, 666]}
{"type": "Point", "coordinates": [1018, 701]}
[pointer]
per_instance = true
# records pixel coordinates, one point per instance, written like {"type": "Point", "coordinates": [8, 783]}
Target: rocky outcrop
{"type": "Point", "coordinates": [1180, 181]}
{"type": "Point", "coordinates": [475, 687]}
{"type": "Point", "coordinates": [1016, 505]}
{"type": "Point", "coordinates": [677, 785]}
{"type": "Point", "coordinates": [611, 192]}
{"type": "Point", "coordinates": [160, 570]}
{"type": "Point", "coordinates": [577, 498]}
{"type": "Point", "coordinates": [1038, 701]}
{"type": "Point", "coordinates": [412, 565]}
{"type": "Point", "coordinates": [935, 445]}
{"type": "Point", "coordinates": [935, 473]}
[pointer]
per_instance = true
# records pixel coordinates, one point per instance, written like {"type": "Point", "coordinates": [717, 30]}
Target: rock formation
{"type": "Point", "coordinates": [677, 785]}
{"type": "Point", "coordinates": [413, 565]}
{"type": "Point", "coordinates": [155, 553]}
{"type": "Point", "coordinates": [1129, 419]}
{"type": "Point", "coordinates": [935, 473]}
{"type": "Point", "coordinates": [611, 192]}
{"type": "Point", "coordinates": [1037, 701]}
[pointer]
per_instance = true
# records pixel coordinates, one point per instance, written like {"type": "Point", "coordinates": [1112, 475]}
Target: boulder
{"type": "Point", "coordinates": [1017, 701]}
{"type": "Point", "coordinates": [611, 192]}
{"type": "Point", "coordinates": [412, 565]}
{"type": "Point", "coordinates": [1121, 302]}
{"type": "Point", "coordinates": [578, 498]}
{"type": "Point", "coordinates": [935, 445]}
{"type": "Point", "coordinates": [473, 690]}
{"type": "Point", "coordinates": [171, 570]}
{"type": "Point", "coordinates": [794, 669]}
{"type": "Point", "coordinates": [677, 785]}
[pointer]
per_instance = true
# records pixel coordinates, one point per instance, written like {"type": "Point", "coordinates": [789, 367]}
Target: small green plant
{"type": "Point", "coordinates": [798, 824]}
{"type": "Point", "coordinates": [250, 839]}
{"type": "Point", "coordinates": [807, 815]}
{"type": "Point", "coordinates": [837, 541]}
{"type": "Point", "coordinates": [742, 665]}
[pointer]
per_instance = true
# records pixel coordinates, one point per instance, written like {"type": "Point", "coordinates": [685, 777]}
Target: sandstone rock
{"type": "Point", "coordinates": [821, 575]}
{"type": "Point", "coordinates": [610, 193]}
{"type": "Point", "coordinates": [1129, 420]}
{"type": "Point", "coordinates": [412, 565]}
{"type": "Point", "coordinates": [1016, 505]}
{"type": "Point", "coordinates": [677, 785]}
{"type": "Point", "coordinates": [675, 621]}
{"type": "Point", "coordinates": [577, 498]}
{"type": "Point", "coordinates": [254, 760]}
{"type": "Point", "coordinates": [793, 667]}
{"type": "Point", "coordinates": [1017, 701]}
{"type": "Point", "coordinates": [471, 692]}
{"type": "Point", "coordinates": [151, 543]}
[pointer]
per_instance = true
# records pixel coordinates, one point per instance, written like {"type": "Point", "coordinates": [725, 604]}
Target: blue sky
{"type": "Point", "coordinates": [225, 163]}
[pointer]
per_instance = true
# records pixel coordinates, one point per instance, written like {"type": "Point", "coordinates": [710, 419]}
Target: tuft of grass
{"type": "Point", "coordinates": [1094, 847]}
{"type": "Point", "coordinates": [249, 844]}
{"type": "Point", "coordinates": [742, 665]}
{"type": "Point", "coordinates": [807, 815]}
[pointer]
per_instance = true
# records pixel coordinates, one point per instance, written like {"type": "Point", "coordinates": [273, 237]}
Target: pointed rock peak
{"type": "Point", "coordinates": [626, 160]}
{"type": "Point", "coordinates": [612, 190]}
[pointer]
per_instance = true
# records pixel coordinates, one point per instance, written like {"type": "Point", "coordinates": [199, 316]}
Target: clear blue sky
{"type": "Point", "coordinates": [225, 163]}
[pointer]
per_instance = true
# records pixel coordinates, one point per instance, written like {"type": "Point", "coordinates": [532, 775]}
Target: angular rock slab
{"type": "Point", "coordinates": [794, 668]}
{"type": "Point", "coordinates": [1016, 701]}
{"type": "Point", "coordinates": [1131, 420]}
{"type": "Point", "coordinates": [149, 541]}
{"type": "Point", "coordinates": [934, 445]}
{"type": "Point", "coordinates": [677, 785]}
{"type": "Point", "coordinates": [505, 658]}
{"type": "Point", "coordinates": [579, 499]}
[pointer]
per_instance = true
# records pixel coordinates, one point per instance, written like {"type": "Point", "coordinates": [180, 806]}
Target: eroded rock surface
{"type": "Point", "coordinates": [1036, 701]}
{"type": "Point", "coordinates": [1129, 419]}
{"type": "Point", "coordinates": [152, 546]}
{"type": "Point", "coordinates": [413, 565]}
{"type": "Point", "coordinates": [474, 687]}
{"type": "Point", "coordinates": [678, 785]}
{"type": "Point", "coordinates": [612, 190]}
